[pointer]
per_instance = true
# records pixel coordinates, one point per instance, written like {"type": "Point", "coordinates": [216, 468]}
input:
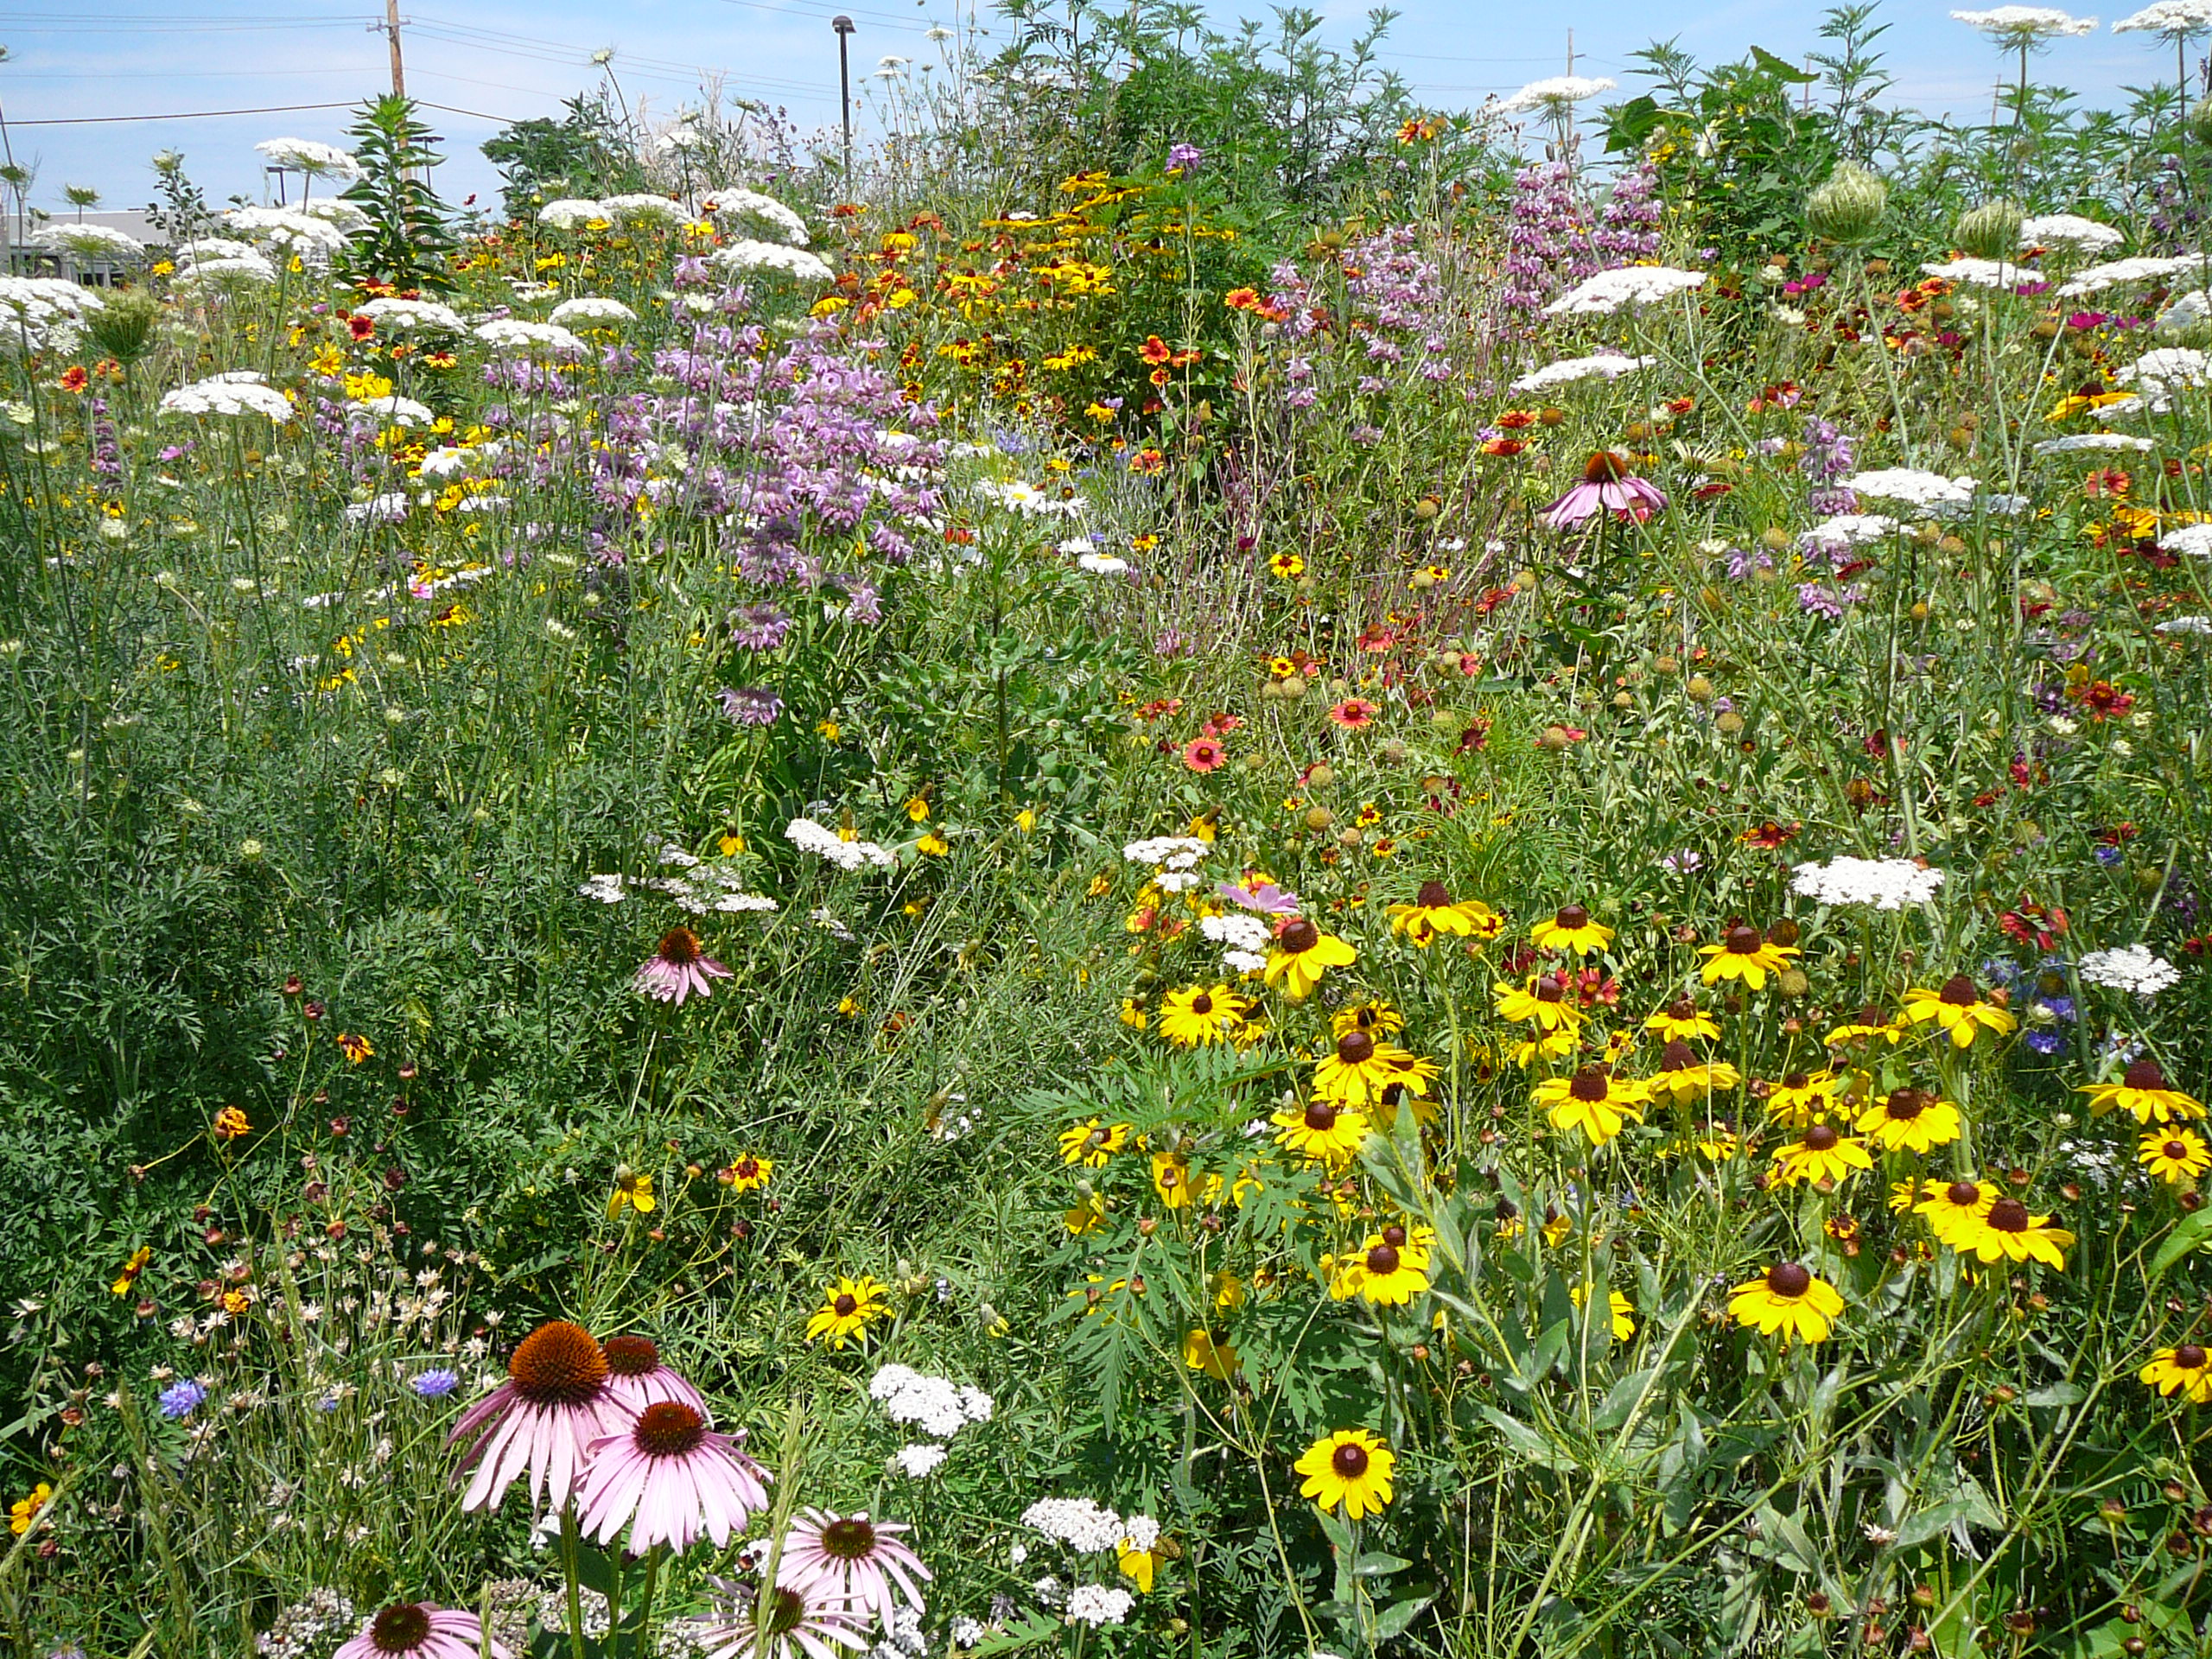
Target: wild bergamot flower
{"type": "Point", "coordinates": [1786, 1298]}
{"type": "Point", "coordinates": [1958, 1007]}
{"type": "Point", "coordinates": [1349, 1469]}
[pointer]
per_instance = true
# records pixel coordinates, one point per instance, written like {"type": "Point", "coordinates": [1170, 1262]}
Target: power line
{"type": "Point", "coordinates": [181, 115]}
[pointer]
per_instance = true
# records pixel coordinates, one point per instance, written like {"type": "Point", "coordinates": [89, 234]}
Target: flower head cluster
{"type": "Point", "coordinates": [1607, 365]}
{"type": "Point", "coordinates": [2018, 25]}
{"type": "Point", "coordinates": [1885, 883]}
{"type": "Point", "coordinates": [775, 258]}
{"type": "Point", "coordinates": [935, 1405]}
{"type": "Point", "coordinates": [1913, 486]}
{"type": "Point", "coordinates": [1627, 286]}
{"type": "Point", "coordinates": [756, 211]}
{"type": "Point", "coordinates": [240, 392]}
{"type": "Point", "coordinates": [847, 854]}
{"type": "Point", "coordinates": [2132, 968]}
{"type": "Point", "coordinates": [309, 156]}
{"type": "Point", "coordinates": [1084, 1527]}
{"type": "Point", "coordinates": [1556, 94]}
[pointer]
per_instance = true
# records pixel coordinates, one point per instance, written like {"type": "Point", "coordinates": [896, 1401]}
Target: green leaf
{"type": "Point", "coordinates": [1523, 1439]}
{"type": "Point", "coordinates": [1378, 1564]}
{"type": "Point", "coordinates": [2189, 1233]}
{"type": "Point", "coordinates": [2057, 1394]}
{"type": "Point", "coordinates": [1621, 1398]}
{"type": "Point", "coordinates": [1393, 1619]}
{"type": "Point", "coordinates": [1038, 1629]}
{"type": "Point", "coordinates": [1781, 69]}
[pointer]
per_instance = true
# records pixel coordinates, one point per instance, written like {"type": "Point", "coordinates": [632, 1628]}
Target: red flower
{"type": "Point", "coordinates": [1474, 737]}
{"type": "Point", "coordinates": [1243, 299]}
{"type": "Point", "coordinates": [1503, 446]}
{"type": "Point", "coordinates": [1353, 712]}
{"type": "Point", "coordinates": [1768, 836]}
{"type": "Point", "coordinates": [1154, 351]}
{"type": "Point", "coordinates": [1221, 725]}
{"type": "Point", "coordinates": [2037, 924]}
{"type": "Point", "coordinates": [1205, 754]}
{"type": "Point", "coordinates": [1147, 463]}
{"type": "Point", "coordinates": [361, 327]}
{"type": "Point", "coordinates": [73, 378]}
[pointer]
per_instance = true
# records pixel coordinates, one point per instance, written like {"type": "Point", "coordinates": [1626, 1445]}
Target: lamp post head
{"type": "Point", "coordinates": [843, 24]}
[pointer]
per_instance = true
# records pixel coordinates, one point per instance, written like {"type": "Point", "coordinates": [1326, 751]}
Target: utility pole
{"type": "Point", "coordinates": [843, 25]}
{"type": "Point", "coordinates": [392, 34]}
{"type": "Point", "coordinates": [1570, 51]}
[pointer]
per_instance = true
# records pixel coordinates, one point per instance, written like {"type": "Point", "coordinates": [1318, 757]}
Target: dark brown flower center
{"type": "Point", "coordinates": [1383, 1261]}
{"type": "Point", "coordinates": [1905, 1104]}
{"type": "Point", "coordinates": [845, 1305]}
{"type": "Point", "coordinates": [2178, 1151]}
{"type": "Point", "coordinates": [558, 1365]}
{"type": "Point", "coordinates": [1590, 1084]}
{"type": "Point", "coordinates": [2008, 1216]}
{"type": "Point", "coordinates": [1958, 991]}
{"type": "Point", "coordinates": [400, 1628]}
{"type": "Point", "coordinates": [2190, 1357]}
{"type": "Point", "coordinates": [1349, 1460]}
{"type": "Point", "coordinates": [1505, 1210]}
{"type": "Point", "coordinates": [1300, 937]}
{"type": "Point", "coordinates": [1547, 988]}
{"type": "Point", "coordinates": [1795, 1080]}
{"type": "Point", "coordinates": [2144, 1074]}
{"type": "Point", "coordinates": [781, 1610]}
{"type": "Point", "coordinates": [1789, 1279]}
{"type": "Point", "coordinates": [1395, 1236]}
{"type": "Point", "coordinates": [1677, 1056]}
{"type": "Point", "coordinates": [1355, 1048]}
{"type": "Point", "coordinates": [1573, 919]}
{"type": "Point", "coordinates": [1961, 1193]}
{"type": "Point", "coordinates": [1821, 1138]}
{"type": "Point", "coordinates": [1433, 895]}
{"type": "Point", "coordinates": [748, 1167]}
{"type": "Point", "coordinates": [667, 1428]}
{"type": "Point", "coordinates": [680, 946]}
{"type": "Point", "coordinates": [1743, 941]}
{"type": "Point", "coordinates": [630, 1355]}
{"type": "Point", "coordinates": [1320, 1117]}
{"type": "Point", "coordinates": [1202, 1003]}
{"type": "Point", "coordinates": [1682, 1009]}
{"type": "Point", "coordinates": [851, 1539]}
{"type": "Point", "coordinates": [1604, 467]}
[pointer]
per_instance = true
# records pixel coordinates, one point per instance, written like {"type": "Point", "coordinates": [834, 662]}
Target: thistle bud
{"type": "Point", "coordinates": [1848, 210]}
{"type": "Point", "coordinates": [1991, 231]}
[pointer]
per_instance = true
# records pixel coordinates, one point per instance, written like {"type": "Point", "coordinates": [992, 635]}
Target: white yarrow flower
{"type": "Point", "coordinates": [1082, 1525]}
{"type": "Point", "coordinates": [2070, 231]}
{"type": "Point", "coordinates": [811, 837]}
{"type": "Point", "coordinates": [1096, 1604]}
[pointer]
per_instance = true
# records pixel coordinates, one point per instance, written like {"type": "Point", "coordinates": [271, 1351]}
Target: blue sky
{"type": "Point", "coordinates": [500, 59]}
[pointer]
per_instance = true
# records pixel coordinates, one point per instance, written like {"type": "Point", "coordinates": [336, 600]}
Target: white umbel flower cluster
{"type": "Point", "coordinates": [91, 241]}
{"type": "Point", "coordinates": [2167, 369]}
{"type": "Point", "coordinates": [935, 1405]}
{"type": "Point", "coordinates": [2079, 441]}
{"type": "Point", "coordinates": [513, 334]}
{"type": "Point", "coordinates": [569, 214]}
{"type": "Point", "coordinates": [309, 156]}
{"type": "Point", "coordinates": [748, 255]}
{"type": "Point", "coordinates": [2070, 231]}
{"type": "Point", "coordinates": [1913, 486]}
{"type": "Point", "coordinates": [1885, 883]}
{"type": "Point", "coordinates": [590, 309]}
{"type": "Point", "coordinates": [2132, 968]}
{"type": "Point", "coordinates": [642, 208]}
{"type": "Point", "coordinates": [407, 315]}
{"type": "Point", "coordinates": [1850, 530]}
{"type": "Point", "coordinates": [766, 214]}
{"type": "Point", "coordinates": [43, 312]}
{"type": "Point", "coordinates": [1097, 1605]}
{"type": "Point", "coordinates": [242, 392]}
{"type": "Point", "coordinates": [1629, 285]}
{"type": "Point", "coordinates": [1608, 365]}
{"type": "Point", "coordinates": [1980, 273]}
{"type": "Point", "coordinates": [1084, 1527]}
{"type": "Point", "coordinates": [810, 837]}
{"type": "Point", "coordinates": [311, 237]}
{"type": "Point", "coordinates": [1556, 93]}
{"type": "Point", "coordinates": [2195, 541]}
{"type": "Point", "coordinates": [1175, 859]}
{"type": "Point", "coordinates": [2014, 25]}
{"type": "Point", "coordinates": [2175, 19]}
{"type": "Point", "coordinates": [2117, 273]}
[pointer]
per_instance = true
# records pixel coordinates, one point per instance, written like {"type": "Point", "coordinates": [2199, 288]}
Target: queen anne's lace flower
{"type": "Point", "coordinates": [240, 267]}
{"type": "Point", "coordinates": [311, 156]}
{"type": "Point", "coordinates": [2078, 441]}
{"type": "Point", "coordinates": [2131, 967]}
{"type": "Point", "coordinates": [2012, 25]}
{"type": "Point", "coordinates": [241, 391]}
{"type": "Point", "coordinates": [591, 308]}
{"type": "Point", "coordinates": [811, 837]}
{"type": "Point", "coordinates": [1885, 883]}
{"type": "Point", "coordinates": [91, 241]}
{"type": "Point", "coordinates": [795, 262]}
{"type": "Point", "coordinates": [2116, 272]}
{"type": "Point", "coordinates": [571, 213]}
{"type": "Point", "coordinates": [513, 333]}
{"type": "Point", "coordinates": [641, 207]}
{"type": "Point", "coordinates": [313, 239]}
{"type": "Point", "coordinates": [1629, 285]}
{"type": "Point", "coordinates": [1980, 273]}
{"type": "Point", "coordinates": [737, 202]}
{"type": "Point", "coordinates": [1850, 530]}
{"type": "Point", "coordinates": [1913, 486]}
{"type": "Point", "coordinates": [408, 314]}
{"type": "Point", "coordinates": [2194, 540]}
{"type": "Point", "coordinates": [1609, 365]}
{"type": "Point", "coordinates": [2070, 231]}
{"type": "Point", "coordinates": [2168, 369]}
{"type": "Point", "coordinates": [2175, 19]}
{"type": "Point", "coordinates": [1558, 92]}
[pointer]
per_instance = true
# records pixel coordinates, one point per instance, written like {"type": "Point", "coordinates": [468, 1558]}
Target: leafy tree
{"type": "Point", "coordinates": [408, 236]}
{"type": "Point", "coordinates": [583, 154]}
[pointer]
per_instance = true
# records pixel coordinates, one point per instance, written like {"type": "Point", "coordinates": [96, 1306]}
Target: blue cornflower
{"type": "Point", "coordinates": [181, 1399]}
{"type": "Point", "coordinates": [436, 1385]}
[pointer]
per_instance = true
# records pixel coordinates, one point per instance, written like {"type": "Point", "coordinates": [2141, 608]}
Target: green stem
{"type": "Point", "coordinates": [568, 1568]}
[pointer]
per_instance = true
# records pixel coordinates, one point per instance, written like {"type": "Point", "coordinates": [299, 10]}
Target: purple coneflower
{"type": "Point", "coordinates": [1264, 896]}
{"type": "Point", "coordinates": [408, 1629]}
{"type": "Point", "coordinates": [1607, 486]}
{"type": "Point", "coordinates": [638, 1379]}
{"type": "Point", "coordinates": [669, 1477]}
{"type": "Point", "coordinates": [678, 967]}
{"type": "Point", "coordinates": [750, 705]}
{"type": "Point", "coordinates": [553, 1405]}
{"type": "Point", "coordinates": [852, 1558]}
{"type": "Point", "coordinates": [789, 1620]}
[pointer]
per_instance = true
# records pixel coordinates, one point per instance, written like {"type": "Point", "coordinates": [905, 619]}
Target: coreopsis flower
{"type": "Point", "coordinates": [1744, 953]}
{"type": "Point", "coordinates": [1091, 1142]}
{"type": "Point", "coordinates": [1434, 912]}
{"type": "Point", "coordinates": [1302, 954]}
{"type": "Point", "coordinates": [1682, 1076]}
{"type": "Point", "coordinates": [1540, 1003]}
{"type": "Point", "coordinates": [748, 1174]}
{"type": "Point", "coordinates": [1351, 1470]}
{"type": "Point", "coordinates": [1388, 1270]}
{"type": "Point", "coordinates": [231, 1123]}
{"type": "Point", "coordinates": [776, 1623]}
{"type": "Point", "coordinates": [2143, 1089]}
{"type": "Point", "coordinates": [540, 1422]}
{"type": "Point", "coordinates": [1682, 1021]}
{"type": "Point", "coordinates": [848, 1308]}
{"type": "Point", "coordinates": [1819, 1155]}
{"type": "Point", "coordinates": [1786, 1298]}
{"type": "Point", "coordinates": [852, 1558]}
{"type": "Point", "coordinates": [1802, 1097]}
{"type": "Point", "coordinates": [1593, 1101]}
{"type": "Point", "coordinates": [408, 1629]}
{"type": "Point", "coordinates": [1958, 1007]}
{"type": "Point", "coordinates": [1362, 1069]}
{"type": "Point", "coordinates": [1571, 930]}
{"type": "Point", "coordinates": [1954, 1209]}
{"type": "Point", "coordinates": [678, 968]}
{"type": "Point", "coordinates": [1620, 1311]}
{"type": "Point", "coordinates": [24, 1510]}
{"type": "Point", "coordinates": [636, 1377]}
{"type": "Point", "coordinates": [2174, 1155]}
{"type": "Point", "coordinates": [2184, 1371]}
{"type": "Point", "coordinates": [1198, 1015]}
{"type": "Point", "coordinates": [2008, 1232]}
{"type": "Point", "coordinates": [1325, 1132]}
{"type": "Point", "coordinates": [1911, 1120]}
{"type": "Point", "coordinates": [671, 1479]}
{"type": "Point", "coordinates": [633, 1190]}
{"type": "Point", "coordinates": [137, 1265]}
{"type": "Point", "coordinates": [1210, 1355]}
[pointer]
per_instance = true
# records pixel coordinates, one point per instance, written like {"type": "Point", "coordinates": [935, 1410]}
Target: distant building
{"type": "Point", "coordinates": [26, 258]}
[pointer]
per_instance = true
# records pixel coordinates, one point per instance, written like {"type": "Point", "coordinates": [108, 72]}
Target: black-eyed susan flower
{"type": "Point", "coordinates": [1954, 1209]}
{"type": "Point", "coordinates": [1362, 1068]}
{"type": "Point", "coordinates": [848, 1308]}
{"type": "Point", "coordinates": [1682, 1021]}
{"type": "Point", "coordinates": [1802, 1097]}
{"type": "Point", "coordinates": [2143, 1089]}
{"type": "Point", "coordinates": [1198, 1015]}
{"type": "Point", "coordinates": [1957, 1006]}
{"type": "Point", "coordinates": [1434, 912]}
{"type": "Point", "coordinates": [1134, 1015]}
{"type": "Point", "coordinates": [1593, 1101]}
{"type": "Point", "coordinates": [1088, 1215]}
{"type": "Point", "coordinates": [1177, 1188]}
{"type": "Point", "coordinates": [1302, 954]}
{"type": "Point", "coordinates": [1911, 1120]}
{"type": "Point", "coordinates": [1374, 1017]}
{"type": "Point", "coordinates": [1324, 1131]}
{"type": "Point", "coordinates": [1620, 1310]}
{"type": "Point", "coordinates": [1559, 1226]}
{"type": "Point", "coordinates": [1571, 930]}
{"type": "Point", "coordinates": [2174, 1155]}
{"type": "Point", "coordinates": [1388, 1270]}
{"type": "Point", "coordinates": [1682, 1076]}
{"type": "Point", "coordinates": [1209, 1355]}
{"type": "Point", "coordinates": [1351, 1470]}
{"type": "Point", "coordinates": [1820, 1153]}
{"type": "Point", "coordinates": [1092, 1141]}
{"type": "Point", "coordinates": [1540, 1003]}
{"type": "Point", "coordinates": [1787, 1299]}
{"type": "Point", "coordinates": [1867, 1027]}
{"type": "Point", "coordinates": [2186, 1370]}
{"type": "Point", "coordinates": [1744, 953]}
{"type": "Point", "coordinates": [2008, 1232]}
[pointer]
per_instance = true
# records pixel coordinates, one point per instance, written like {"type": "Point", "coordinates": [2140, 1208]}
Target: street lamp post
{"type": "Point", "coordinates": [843, 25]}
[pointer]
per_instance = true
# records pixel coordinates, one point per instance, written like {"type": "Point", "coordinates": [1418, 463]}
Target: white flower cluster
{"type": "Point", "coordinates": [704, 888]}
{"type": "Point", "coordinates": [409, 314]}
{"type": "Point", "coordinates": [2068, 231]}
{"type": "Point", "coordinates": [2168, 369]}
{"type": "Point", "coordinates": [241, 391]}
{"type": "Point", "coordinates": [91, 241]}
{"type": "Point", "coordinates": [590, 307]}
{"type": "Point", "coordinates": [920, 1459]}
{"type": "Point", "coordinates": [746, 254]}
{"type": "Point", "coordinates": [307, 156]}
{"type": "Point", "coordinates": [569, 212]}
{"type": "Point", "coordinates": [226, 269]}
{"type": "Point", "coordinates": [1629, 285]}
{"type": "Point", "coordinates": [2196, 625]}
{"type": "Point", "coordinates": [386, 509]}
{"type": "Point", "coordinates": [1028, 499]}
{"type": "Point", "coordinates": [810, 837]}
{"type": "Point", "coordinates": [2194, 540]}
{"type": "Point", "coordinates": [1885, 883]}
{"type": "Point", "coordinates": [2118, 273]}
{"type": "Point", "coordinates": [1609, 365]}
{"type": "Point", "coordinates": [1175, 859]}
{"type": "Point", "coordinates": [1556, 93]}
{"type": "Point", "coordinates": [2177, 19]}
{"type": "Point", "coordinates": [2182, 312]}
{"type": "Point", "coordinates": [1244, 936]}
{"type": "Point", "coordinates": [2133, 968]}
{"type": "Point", "coordinates": [513, 333]}
{"type": "Point", "coordinates": [1096, 1604]}
{"type": "Point", "coordinates": [38, 313]}
{"type": "Point", "coordinates": [738, 202]}
{"type": "Point", "coordinates": [1084, 1527]}
{"type": "Point", "coordinates": [399, 412]}
{"type": "Point", "coordinates": [1980, 273]}
{"type": "Point", "coordinates": [1849, 529]}
{"type": "Point", "coordinates": [1913, 486]}
{"type": "Point", "coordinates": [935, 1405]}
{"type": "Point", "coordinates": [2079, 441]}
{"type": "Point", "coordinates": [308, 235]}
{"type": "Point", "coordinates": [642, 208]}
{"type": "Point", "coordinates": [2013, 23]}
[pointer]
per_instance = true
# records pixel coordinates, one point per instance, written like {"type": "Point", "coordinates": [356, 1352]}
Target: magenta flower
{"type": "Point", "coordinates": [790, 1621]}
{"type": "Point", "coordinates": [678, 968]}
{"type": "Point", "coordinates": [1607, 486]}
{"type": "Point", "coordinates": [418, 1630]}
{"type": "Point", "coordinates": [851, 1558]}
{"type": "Point", "coordinates": [638, 1379]}
{"type": "Point", "coordinates": [669, 1478]}
{"type": "Point", "coordinates": [553, 1405]}
{"type": "Point", "coordinates": [1264, 896]}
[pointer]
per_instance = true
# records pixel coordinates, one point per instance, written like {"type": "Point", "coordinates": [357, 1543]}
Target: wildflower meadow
{"type": "Point", "coordinates": [1203, 865]}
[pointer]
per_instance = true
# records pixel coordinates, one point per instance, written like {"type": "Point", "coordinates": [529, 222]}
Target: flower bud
{"type": "Point", "coordinates": [1848, 210]}
{"type": "Point", "coordinates": [1991, 231]}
